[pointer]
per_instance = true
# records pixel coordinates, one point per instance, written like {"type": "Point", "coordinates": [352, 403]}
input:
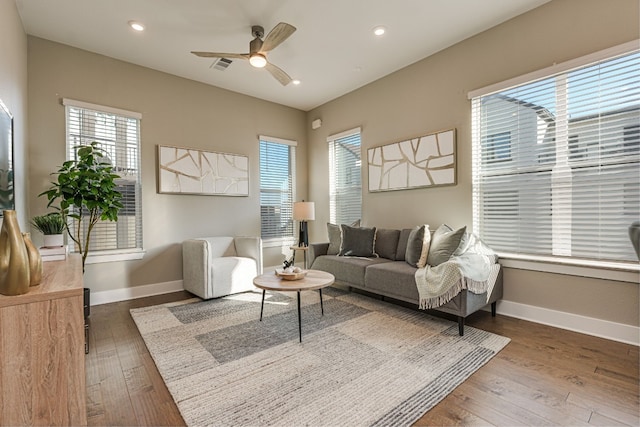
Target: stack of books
{"type": "Point", "coordinates": [53, 254]}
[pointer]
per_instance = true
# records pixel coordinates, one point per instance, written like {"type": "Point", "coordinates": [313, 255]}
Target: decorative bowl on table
{"type": "Point", "coordinates": [294, 275]}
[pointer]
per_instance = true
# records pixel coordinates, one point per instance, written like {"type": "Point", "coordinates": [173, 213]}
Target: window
{"type": "Point", "coordinates": [345, 181]}
{"type": "Point", "coordinates": [277, 184]}
{"type": "Point", "coordinates": [565, 183]}
{"type": "Point", "coordinates": [118, 133]}
{"type": "Point", "coordinates": [499, 147]}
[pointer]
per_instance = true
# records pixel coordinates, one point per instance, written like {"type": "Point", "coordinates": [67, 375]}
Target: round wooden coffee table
{"type": "Point", "coordinates": [315, 279]}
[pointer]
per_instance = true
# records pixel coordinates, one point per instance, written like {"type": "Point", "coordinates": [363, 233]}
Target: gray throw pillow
{"type": "Point", "coordinates": [418, 246]}
{"type": "Point", "coordinates": [387, 243]}
{"type": "Point", "coordinates": [335, 237]}
{"type": "Point", "coordinates": [358, 241]}
{"type": "Point", "coordinates": [444, 243]}
{"type": "Point", "coordinates": [402, 244]}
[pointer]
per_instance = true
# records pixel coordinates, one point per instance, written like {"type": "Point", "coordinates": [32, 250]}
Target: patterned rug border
{"type": "Point", "coordinates": [219, 361]}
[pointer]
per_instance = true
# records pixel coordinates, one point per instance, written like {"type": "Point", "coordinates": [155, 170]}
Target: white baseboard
{"type": "Point", "coordinates": [573, 322]}
{"type": "Point", "coordinates": [123, 294]}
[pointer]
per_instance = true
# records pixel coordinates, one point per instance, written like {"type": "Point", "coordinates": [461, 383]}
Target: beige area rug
{"type": "Point", "coordinates": [365, 362]}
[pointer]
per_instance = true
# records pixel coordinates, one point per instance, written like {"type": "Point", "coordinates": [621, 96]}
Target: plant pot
{"type": "Point", "coordinates": [53, 240]}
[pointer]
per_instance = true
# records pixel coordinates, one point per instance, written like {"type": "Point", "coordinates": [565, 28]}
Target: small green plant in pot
{"type": "Point", "coordinates": [86, 192]}
{"type": "Point", "coordinates": [52, 226]}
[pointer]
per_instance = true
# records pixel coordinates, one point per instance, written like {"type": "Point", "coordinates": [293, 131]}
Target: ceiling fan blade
{"type": "Point", "coordinates": [221, 55]}
{"type": "Point", "coordinates": [280, 33]}
{"type": "Point", "coordinates": [279, 75]}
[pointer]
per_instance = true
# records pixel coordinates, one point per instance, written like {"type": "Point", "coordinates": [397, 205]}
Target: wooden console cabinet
{"type": "Point", "coordinates": [42, 360]}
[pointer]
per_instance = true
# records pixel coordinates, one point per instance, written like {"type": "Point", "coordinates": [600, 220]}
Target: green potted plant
{"type": "Point", "coordinates": [52, 226]}
{"type": "Point", "coordinates": [85, 190]}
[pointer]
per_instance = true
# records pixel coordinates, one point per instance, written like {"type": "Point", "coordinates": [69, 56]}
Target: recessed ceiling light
{"type": "Point", "coordinates": [296, 82]}
{"type": "Point", "coordinates": [379, 30]}
{"type": "Point", "coordinates": [136, 25]}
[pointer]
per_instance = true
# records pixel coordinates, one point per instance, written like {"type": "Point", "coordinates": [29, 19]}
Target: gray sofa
{"type": "Point", "coordinates": [389, 275]}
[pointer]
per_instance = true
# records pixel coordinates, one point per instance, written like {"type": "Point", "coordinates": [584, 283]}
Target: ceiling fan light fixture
{"type": "Point", "coordinates": [258, 60]}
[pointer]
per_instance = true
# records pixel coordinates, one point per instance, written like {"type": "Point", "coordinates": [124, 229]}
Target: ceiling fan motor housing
{"type": "Point", "coordinates": [257, 31]}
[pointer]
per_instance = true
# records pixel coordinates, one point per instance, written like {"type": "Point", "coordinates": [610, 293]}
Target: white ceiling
{"type": "Point", "coordinates": [332, 52]}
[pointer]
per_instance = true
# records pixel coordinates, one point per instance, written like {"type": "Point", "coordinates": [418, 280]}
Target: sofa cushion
{"type": "Point", "coordinates": [418, 247]}
{"type": "Point", "coordinates": [395, 279]}
{"type": "Point", "coordinates": [335, 237]}
{"type": "Point", "coordinates": [444, 243]}
{"type": "Point", "coordinates": [346, 270]}
{"type": "Point", "coordinates": [402, 243]}
{"type": "Point", "coordinates": [358, 241]}
{"type": "Point", "coordinates": [387, 243]}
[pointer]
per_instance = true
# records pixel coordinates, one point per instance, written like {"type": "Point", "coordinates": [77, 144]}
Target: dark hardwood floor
{"type": "Point", "coordinates": [545, 376]}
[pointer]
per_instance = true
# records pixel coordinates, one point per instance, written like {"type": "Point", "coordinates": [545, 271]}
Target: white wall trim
{"type": "Point", "coordinates": [114, 256]}
{"type": "Point", "coordinates": [123, 294]}
{"type": "Point", "coordinates": [103, 108]}
{"type": "Point", "coordinates": [573, 322]}
{"type": "Point", "coordinates": [344, 133]}
{"type": "Point", "coordinates": [562, 67]}
{"type": "Point", "coordinates": [278, 140]}
{"type": "Point", "coordinates": [597, 271]}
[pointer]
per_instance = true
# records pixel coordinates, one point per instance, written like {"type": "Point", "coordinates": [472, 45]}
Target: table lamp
{"type": "Point", "coordinates": [303, 212]}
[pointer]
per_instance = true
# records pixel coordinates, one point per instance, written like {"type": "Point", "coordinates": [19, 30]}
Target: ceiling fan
{"type": "Point", "coordinates": [258, 49]}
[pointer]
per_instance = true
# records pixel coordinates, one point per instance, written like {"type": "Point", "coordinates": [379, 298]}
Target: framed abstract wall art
{"type": "Point", "coordinates": [192, 171]}
{"type": "Point", "coordinates": [425, 161]}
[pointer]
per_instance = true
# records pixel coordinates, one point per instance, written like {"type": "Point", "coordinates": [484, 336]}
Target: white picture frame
{"type": "Point", "coordinates": [424, 161]}
{"type": "Point", "coordinates": [202, 172]}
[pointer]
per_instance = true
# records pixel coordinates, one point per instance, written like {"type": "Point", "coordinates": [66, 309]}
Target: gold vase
{"type": "Point", "coordinates": [35, 260]}
{"type": "Point", "coordinates": [14, 261]}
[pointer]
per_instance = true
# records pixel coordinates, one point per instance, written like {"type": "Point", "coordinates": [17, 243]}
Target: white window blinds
{"type": "Point", "coordinates": [277, 183]}
{"type": "Point", "coordinates": [345, 182]}
{"type": "Point", "coordinates": [118, 133]}
{"type": "Point", "coordinates": [556, 162]}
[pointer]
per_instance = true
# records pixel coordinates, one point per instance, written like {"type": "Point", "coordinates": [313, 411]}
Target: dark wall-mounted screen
{"type": "Point", "coordinates": [6, 159]}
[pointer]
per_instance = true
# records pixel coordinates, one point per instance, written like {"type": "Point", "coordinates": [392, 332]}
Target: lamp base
{"type": "Point", "coordinates": [303, 236]}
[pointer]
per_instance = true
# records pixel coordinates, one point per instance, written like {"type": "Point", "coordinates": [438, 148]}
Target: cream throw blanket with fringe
{"type": "Point", "coordinates": [472, 270]}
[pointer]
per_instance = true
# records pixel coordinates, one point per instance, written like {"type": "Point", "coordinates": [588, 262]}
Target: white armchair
{"type": "Point", "coordinates": [218, 266]}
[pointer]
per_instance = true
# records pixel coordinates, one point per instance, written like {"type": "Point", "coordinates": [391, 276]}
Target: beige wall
{"type": "Point", "coordinates": [175, 111]}
{"type": "Point", "coordinates": [431, 95]}
{"type": "Point", "coordinates": [13, 93]}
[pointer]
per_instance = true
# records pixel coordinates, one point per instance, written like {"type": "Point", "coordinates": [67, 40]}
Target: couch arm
{"type": "Point", "coordinates": [250, 247]}
{"type": "Point", "coordinates": [195, 266]}
{"type": "Point", "coordinates": [315, 250]}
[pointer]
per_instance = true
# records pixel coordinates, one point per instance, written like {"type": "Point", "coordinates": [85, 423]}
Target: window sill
{"type": "Point", "coordinates": [616, 271]}
{"type": "Point", "coordinates": [114, 256]}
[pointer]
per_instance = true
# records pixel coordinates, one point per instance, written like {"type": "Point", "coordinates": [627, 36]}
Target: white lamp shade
{"type": "Point", "coordinates": [304, 211]}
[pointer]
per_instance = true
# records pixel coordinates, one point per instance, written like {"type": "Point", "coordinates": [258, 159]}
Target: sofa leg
{"type": "Point", "coordinates": [493, 308]}
{"type": "Point", "coordinates": [460, 325]}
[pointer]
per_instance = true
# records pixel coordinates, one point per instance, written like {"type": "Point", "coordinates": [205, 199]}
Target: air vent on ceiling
{"type": "Point", "coordinates": [222, 64]}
